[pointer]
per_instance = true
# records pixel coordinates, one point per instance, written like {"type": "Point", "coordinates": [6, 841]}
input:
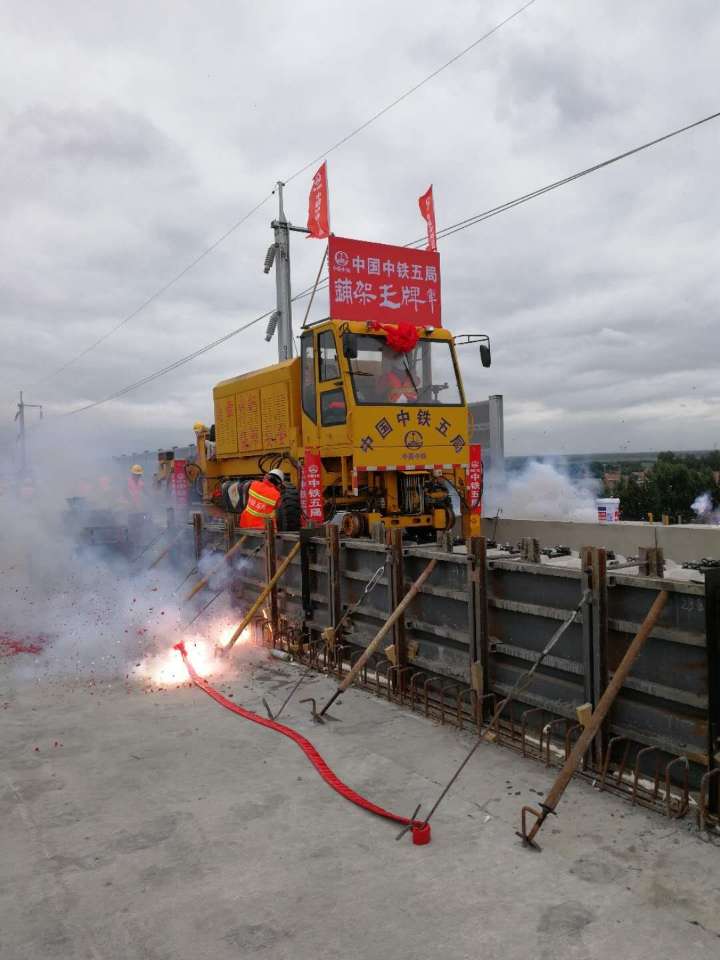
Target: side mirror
{"type": "Point", "coordinates": [485, 357]}
{"type": "Point", "coordinates": [349, 342]}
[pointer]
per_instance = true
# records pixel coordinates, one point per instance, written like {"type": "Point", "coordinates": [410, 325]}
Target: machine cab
{"type": "Point", "coordinates": [387, 407]}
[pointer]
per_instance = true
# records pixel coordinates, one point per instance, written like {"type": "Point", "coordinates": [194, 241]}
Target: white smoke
{"type": "Point", "coordinates": [703, 509]}
{"type": "Point", "coordinates": [92, 612]}
{"type": "Point", "coordinates": [542, 490]}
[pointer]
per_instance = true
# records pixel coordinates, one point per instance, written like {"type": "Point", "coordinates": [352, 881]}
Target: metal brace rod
{"type": "Point", "coordinates": [601, 711]}
{"type": "Point", "coordinates": [205, 580]}
{"type": "Point", "coordinates": [382, 633]}
{"type": "Point", "coordinates": [522, 683]}
{"type": "Point", "coordinates": [263, 596]}
{"type": "Point", "coordinates": [369, 587]}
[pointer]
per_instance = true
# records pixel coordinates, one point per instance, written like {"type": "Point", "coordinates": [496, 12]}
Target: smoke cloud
{"type": "Point", "coordinates": [541, 491]}
{"type": "Point", "coordinates": [73, 608]}
{"type": "Point", "coordinates": [704, 510]}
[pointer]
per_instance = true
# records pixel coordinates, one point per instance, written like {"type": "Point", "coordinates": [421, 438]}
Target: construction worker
{"type": "Point", "coordinates": [396, 384]}
{"type": "Point", "coordinates": [263, 498]}
{"type": "Point", "coordinates": [136, 487]}
{"type": "Point", "coordinates": [202, 434]}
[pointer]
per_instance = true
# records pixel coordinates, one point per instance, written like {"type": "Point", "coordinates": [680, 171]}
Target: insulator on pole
{"type": "Point", "coordinates": [269, 258]}
{"type": "Point", "coordinates": [272, 326]}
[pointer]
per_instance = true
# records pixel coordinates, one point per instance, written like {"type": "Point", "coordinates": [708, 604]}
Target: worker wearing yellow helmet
{"type": "Point", "coordinates": [136, 486]}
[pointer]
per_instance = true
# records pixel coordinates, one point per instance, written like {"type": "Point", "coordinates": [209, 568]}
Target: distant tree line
{"type": "Point", "coordinates": [670, 486]}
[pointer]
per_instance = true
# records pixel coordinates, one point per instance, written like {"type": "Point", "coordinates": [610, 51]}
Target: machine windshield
{"type": "Point", "coordinates": [425, 375]}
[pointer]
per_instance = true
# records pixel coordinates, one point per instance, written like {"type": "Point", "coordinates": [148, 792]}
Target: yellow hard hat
{"type": "Point", "coordinates": [137, 469]}
{"type": "Point", "coordinates": [199, 426]}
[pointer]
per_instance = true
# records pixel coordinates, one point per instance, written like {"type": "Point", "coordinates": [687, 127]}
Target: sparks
{"type": "Point", "coordinates": [225, 633]}
{"type": "Point", "coordinates": [166, 669]}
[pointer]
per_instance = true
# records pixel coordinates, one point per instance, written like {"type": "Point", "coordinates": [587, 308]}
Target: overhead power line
{"type": "Point", "coordinates": [181, 361]}
{"type": "Point", "coordinates": [158, 293]}
{"type": "Point", "coordinates": [403, 96]}
{"type": "Point", "coordinates": [221, 239]}
{"type": "Point", "coordinates": [452, 228]}
{"type": "Point", "coordinates": [444, 232]}
{"type": "Point", "coordinates": [540, 191]}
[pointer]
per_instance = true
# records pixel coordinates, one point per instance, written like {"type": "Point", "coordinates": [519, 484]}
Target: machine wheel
{"type": "Point", "coordinates": [234, 494]}
{"type": "Point", "coordinates": [288, 512]}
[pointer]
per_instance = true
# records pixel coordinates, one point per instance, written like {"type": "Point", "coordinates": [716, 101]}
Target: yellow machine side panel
{"type": "Point", "coordinates": [265, 408]}
{"type": "Point", "coordinates": [275, 404]}
{"type": "Point", "coordinates": [249, 430]}
{"type": "Point", "coordinates": [226, 425]}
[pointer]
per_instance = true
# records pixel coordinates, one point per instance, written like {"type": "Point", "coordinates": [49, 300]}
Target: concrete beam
{"type": "Point", "coordinates": [680, 542]}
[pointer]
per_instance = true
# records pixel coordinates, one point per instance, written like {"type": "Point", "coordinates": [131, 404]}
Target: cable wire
{"type": "Point", "coordinates": [540, 191]}
{"type": "Point", "coordinates": [452, 228]}
{"type": "Point", "coordinates": [188, 357]}
{"type": "Point", "coordinates": [158, 293]}
{"type": "Point", "coordinates": [169, 368]}
{"type": "Point", "coordinates": [221, 239]}
{"type": "Point", "coordinates": [445, 232]}
{"type": "Point", "coordinates": [408, 93]}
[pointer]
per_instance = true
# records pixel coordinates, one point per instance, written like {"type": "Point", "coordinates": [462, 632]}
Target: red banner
{"type": "Point", "coordinates": [475, 479]}
{"type": "Point", "coordinates": [427, 209]}
{"type": "Point", "coordinates": [178, 482]}
{"type": "Point", "coordinates": [311, 490]}
{"type": "Point", "coordinates": [376, 281]}
{"type": "Point", "coordinates": [318, 208]}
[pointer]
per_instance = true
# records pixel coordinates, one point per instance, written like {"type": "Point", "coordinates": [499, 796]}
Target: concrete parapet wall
{"type": "Point", "coordinates": [680, 543]}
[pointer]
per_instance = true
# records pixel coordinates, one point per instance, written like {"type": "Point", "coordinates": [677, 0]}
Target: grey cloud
{"type": "Point", "coordinates": [567, 88]}
{"type": "Point", "coordinates": [86, 137]}
{"type": "Point", "coordinates": [601, 298]}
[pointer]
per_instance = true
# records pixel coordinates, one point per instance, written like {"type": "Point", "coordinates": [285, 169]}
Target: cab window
{"type": "Point", "coordinates": [333, 412]}
{"type": "Point", "coordinates": [425, 376]}
{"type": "Point", "coordinates": [329, 366]}
{"type": "Point", "coordinates": [307, 365]}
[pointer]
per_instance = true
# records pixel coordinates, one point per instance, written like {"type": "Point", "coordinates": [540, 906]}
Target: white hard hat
{"type": "Point", "coordinates": [277, 472]}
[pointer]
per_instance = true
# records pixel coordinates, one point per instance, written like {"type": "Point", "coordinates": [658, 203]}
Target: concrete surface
{"type": "Point", "coordinates": [163, 827]}
{"type": "Point", "coordinates": [680, 542]}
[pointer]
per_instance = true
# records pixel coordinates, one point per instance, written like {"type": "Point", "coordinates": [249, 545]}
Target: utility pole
{"type": "Point", "coordinates": [282, 279]}
{"type": "Point", "coordinates": [20, 417]}
{"type": "Point", "coordinates": [279, 254]}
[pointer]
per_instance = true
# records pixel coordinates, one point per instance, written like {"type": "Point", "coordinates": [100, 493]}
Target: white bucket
{"type": "Point", "coordinates": [608, 509]}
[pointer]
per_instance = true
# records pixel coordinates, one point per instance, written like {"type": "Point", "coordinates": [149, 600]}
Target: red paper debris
{"type": "Point", "coordinates": [12, 646]}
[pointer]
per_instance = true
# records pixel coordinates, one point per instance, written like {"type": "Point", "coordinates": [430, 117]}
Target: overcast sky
{"type": "Point", "coordinates": [133, 134]}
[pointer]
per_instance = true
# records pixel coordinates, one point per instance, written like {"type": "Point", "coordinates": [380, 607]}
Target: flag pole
{"type": "Point", "coordinates": [315, 286]}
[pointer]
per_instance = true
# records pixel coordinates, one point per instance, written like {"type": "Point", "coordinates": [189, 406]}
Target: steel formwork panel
{"type": "Point", "coordinates": [664, 704]}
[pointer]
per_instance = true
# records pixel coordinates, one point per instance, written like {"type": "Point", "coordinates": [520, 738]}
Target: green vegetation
{"type": "Point", "coordinates": [670, 486]}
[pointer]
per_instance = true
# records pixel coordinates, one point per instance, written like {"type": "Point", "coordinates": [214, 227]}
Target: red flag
{"type": "Point", "coordinates": [318, 214]}
{"type": "Point", "coordinates": [427, 209]}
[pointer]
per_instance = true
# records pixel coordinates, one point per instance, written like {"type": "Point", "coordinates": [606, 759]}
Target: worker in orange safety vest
{"type": "Point", "coordinates": [397, 385]}
{"type": "Point", "coordinates": [263, 498]}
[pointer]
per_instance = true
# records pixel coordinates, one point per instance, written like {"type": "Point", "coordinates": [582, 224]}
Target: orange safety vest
{"type": "Point", "coordinates": [400, 387]}
{"type": "Point", "coordinates": [263, 497]}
